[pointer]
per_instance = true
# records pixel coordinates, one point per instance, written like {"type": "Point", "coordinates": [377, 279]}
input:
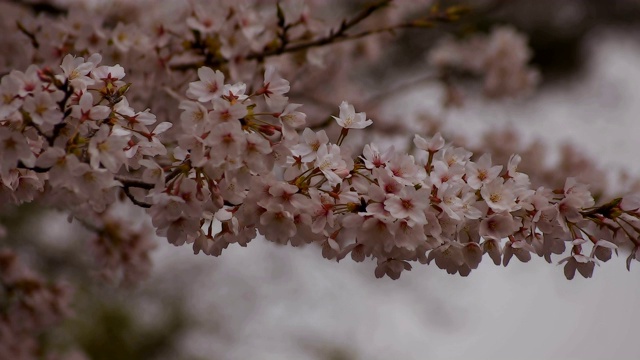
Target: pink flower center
{"type": "Point", "coordinates": [407, 204]}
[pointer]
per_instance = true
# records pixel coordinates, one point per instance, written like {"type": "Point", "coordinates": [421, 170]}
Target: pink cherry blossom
{"type": "Point", "coordinates": [77, 70]}
{"type": "Point", "coordinates": [85, 110]}
{"type": "Point", "coordinates": [432, 145]}
{"type": "Point", "coordinates": [498, 226]}
{"type": "Point", "coordinates": [209, 87]}
{"type": "Point", "coordinates": [349, 119]}
{"type": "Point", "coordinates": [329, 161]}
{"type": "Point", "coordinates": [373, 158]}
{"type": "Point", "coordinates": [311, 142]}
{"type": "Point", "coordinates": [13, 148]}
{"type": "Point", "coordinates": [43, 109]}
{"type": "Point", "coordinates": [274, 87]}
{"type": "Point", "coordinates": [409, 204]}
{"type": "Point", "coordinates": [499, 195]}
{"type": "Point", "coordinates": [481, 172]}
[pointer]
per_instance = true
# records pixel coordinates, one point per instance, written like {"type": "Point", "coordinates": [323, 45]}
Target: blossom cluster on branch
{"type": "Point", "coordinates": [243, 163]}
{"type": "Point", "coordinates": [232, 156]}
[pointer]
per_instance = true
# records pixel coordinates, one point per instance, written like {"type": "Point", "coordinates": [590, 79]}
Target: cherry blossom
{"type": "Point", "coordinates": [9, 96]}
{"type": "Point", "coordinates": [410, 203]}
{"type": "Point", "coordinates": [330, 163]}
{"type": "Point", "coordinates": [76, 70]}
{"type": "Point", "coordinates": [481, 172]}
{"type": "Point", "coordinates": [209, 87]}
{"type": "Point", "coordinates": [349, 119]}
{"type": "Point", "coordinates": [43, 109]}
{"type": "Point", "coordinates": [274, 87]}
{"type": "Point", "coordinates": [85, 110]}
{"type": "Point", "coordinates": [432, 145]}
{"type": "Point", "coordinates": [499, 195]}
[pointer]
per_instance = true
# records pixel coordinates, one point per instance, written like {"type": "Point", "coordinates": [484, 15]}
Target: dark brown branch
{"type": "Point", "coordinates": [127, 191]}
{"type": "Point", "coordinates": [340, 33]}
{"type": "Point", "coordinates": [46, 7]}
{"type": "Point", "coordinates": [333, 36]}
{"type": "Point", "coordinates": [37, 169]}
{"type": "Point", "coordinates": [134, 183]}
{"type": "Point", "coordinates": [605, 210]}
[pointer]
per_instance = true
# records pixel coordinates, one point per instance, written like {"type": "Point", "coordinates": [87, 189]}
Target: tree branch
{"type": "Point", "coordinates": [339, 35]}
{"type": "Point", "coordinates": [38, 7]}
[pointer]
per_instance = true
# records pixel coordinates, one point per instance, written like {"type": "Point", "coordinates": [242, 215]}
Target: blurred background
{"type": "Point", "coordinates": [273, 302]}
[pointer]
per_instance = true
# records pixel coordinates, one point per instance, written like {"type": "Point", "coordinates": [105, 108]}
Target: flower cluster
{"type": "Point", "coordinates": [122, 244]}
{"type": "Point", "coordinates": [501, 58]}
{"type": "Point", "coordinates": [64, 138]}
{"type": "Point", "coordinates": [244, 169]}
{"type": "Point", "coordinates": [29, 306]}
{"type": "Point", "coordinates": [242, 164]}
{"type": "Point", "coordinates": [162, 45]}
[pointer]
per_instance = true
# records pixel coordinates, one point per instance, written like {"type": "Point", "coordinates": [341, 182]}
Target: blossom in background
{"type": "Point", "coordinates": [501, 57]}
{"type": "Point", "coordinates": [204, 21]}
{"type": "Point", "coordinates": [35, 307]}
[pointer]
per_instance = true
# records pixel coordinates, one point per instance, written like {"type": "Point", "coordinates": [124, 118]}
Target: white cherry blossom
{"type": "Point", "coordinates": [274, 87]}
{"type": "Point", "coordinates": [432, 145]}
{"type": "Point", "coordinates": [311, 142]}
{"type": "Point", "coordinates": [481, 172]}
{"type": "Point", "coordinates": [10, 101]}
{"type": "Point", "coordinates": [43, 109]}
{"type": "Point", "coordinates": [77, 70]}
{"type": "Point", "coordinates": [329, 161]}
{"type": "Point", "coordinates": [349, 119]}
{"type": "Point", "coordinates": [209, 87]}
{"type": "Point", "coordinates": [85, 110]}
{"type": "Point", "coordinates": [499, 195]}
{"type": "Point", "coordinates": [409, 204]}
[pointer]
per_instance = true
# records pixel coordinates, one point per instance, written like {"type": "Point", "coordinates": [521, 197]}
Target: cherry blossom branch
{"type": "Point", "coordinates": [340, 34]}
{"type": "Point", "coordinates": [241, 162]}
{"type": "Point", "coordinates": [334, 34]}
{"type": "Point", "coordinates": [302, 189]}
